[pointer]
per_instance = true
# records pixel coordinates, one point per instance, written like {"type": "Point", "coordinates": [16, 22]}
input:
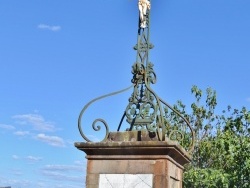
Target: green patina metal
{"type": "Point", "coordinates": [141, 111]}
{"type": "Point", "coordinates": [146, 111]}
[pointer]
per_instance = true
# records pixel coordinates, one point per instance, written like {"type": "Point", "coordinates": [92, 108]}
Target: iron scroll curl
{"type": "Point", "coordinates": [98, 120]}
{"type": "Point", "coordinates": [161, 116]}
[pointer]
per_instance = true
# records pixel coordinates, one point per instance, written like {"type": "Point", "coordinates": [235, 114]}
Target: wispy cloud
{"type": "Point", "coordinates": [93, 138]}
{"type": "Point", "coordinates": [248, 99]}
{"type": "Point", "coordinates": [49, 27]}
{"type": "Point", "coordinates": [64, 168]}
{"type": "Point", "coordinates": [61, 176]}
{"type": "Point", "coordinates": [80, 163]}
{"type": "Point", "coordinates": [36, 121]}
{"type": "Point", "coordinates": [30, 158]}
{"type": "Point", "coordinates": [64, 172]}
{"type": "Point", "coordinates": [38, 183]}
{"type": "Point", "coordinates": [7, 127]}
{"type": "Point", "coordinates": [14, 182]}
{"type": "Point", "coordinates": [16, 172]}
{"type": "Point", "coordinates": [33, 159]}
{"type": "Point", "coordinates": [51, 140]}
{"type": "Point", "coordinates": [21, 133]}
{"type": "Point", "coordinates": [15, 157]}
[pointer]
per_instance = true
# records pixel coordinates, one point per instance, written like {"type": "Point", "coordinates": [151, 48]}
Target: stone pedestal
{"type": "Point", "coordinates": [134, 159]}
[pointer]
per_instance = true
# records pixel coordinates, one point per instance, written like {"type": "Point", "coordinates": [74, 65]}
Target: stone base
{"type": "Point", "coordinates": [162, 161]}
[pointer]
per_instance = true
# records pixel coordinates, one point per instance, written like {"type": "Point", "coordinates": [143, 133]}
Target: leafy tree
{"type": "Point", "coordinates": [221, 157]}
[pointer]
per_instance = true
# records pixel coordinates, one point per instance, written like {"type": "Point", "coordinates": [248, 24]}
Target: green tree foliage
{"type": "Point", "coordinates": [221, 158]}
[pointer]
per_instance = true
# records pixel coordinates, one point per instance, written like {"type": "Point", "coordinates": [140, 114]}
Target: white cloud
{"type": "Point", "coordinates": [64, 168]}
{"type": "Point", "coordinates": [62, 177]}
{"type": "Point", "coordinates": [81, 163]}
{"type": "Point", "coordinates": [73, 172]}
{"type": "Point", "coordinates": [93, 138]}
{"type": "Point", "coordinates": [51, 140]}
{"type": "Point", "coordinates": [33, 159]}
{"type": "Point", "coordinates": [36, 121]}
{"type": "Point", "coordinates": [21, 133]}
{"type": "Point", "coordinates": [16, 172]}
{"type": "Point", "coordinates": [14, 182]}
{"type": "Point", "coordinates": [38, 183]}
{"type": "Point", "coordinates": [7, 127]}
{"type": "Point", "coordinates": [248, 99]}
{"type": "Point", "coordinates": [49, 27]}
{"type": "Point", "coordinates": [15, 157]}
{"type": "Point", "coordinates": [29, 158]}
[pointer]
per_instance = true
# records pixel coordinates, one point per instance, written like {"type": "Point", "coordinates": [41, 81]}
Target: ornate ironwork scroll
{"type": "Point", "coordinates": [98, 120]}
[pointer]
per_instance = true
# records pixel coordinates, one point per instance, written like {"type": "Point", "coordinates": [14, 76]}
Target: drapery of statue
{"type": "Point", "coordinates": [143, 6]}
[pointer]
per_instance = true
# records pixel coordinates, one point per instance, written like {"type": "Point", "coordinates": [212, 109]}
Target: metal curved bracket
{"type": "Point", "coordinates": [161, 126]}
{"type": "Point", "coordinates": [97, 128]}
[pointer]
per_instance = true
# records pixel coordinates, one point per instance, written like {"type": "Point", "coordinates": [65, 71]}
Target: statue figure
{"type": "Point", "coordinates": [143, 6]}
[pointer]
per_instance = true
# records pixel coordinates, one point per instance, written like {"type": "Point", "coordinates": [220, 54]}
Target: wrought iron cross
{"type": "Point", "coordinates": [146, 110]}
{"type": "Point", "coordinates": [141, 110]}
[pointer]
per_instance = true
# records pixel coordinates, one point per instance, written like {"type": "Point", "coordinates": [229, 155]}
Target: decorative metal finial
{"type": "Point", "coordinates": [146, 110]}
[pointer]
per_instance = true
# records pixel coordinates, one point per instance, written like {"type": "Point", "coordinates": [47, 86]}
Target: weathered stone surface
{"type": "Point", "coordinates": [126, 180]}
{"type": "Point", "coordinates": [132, 136]}
{"type": "Point", "coordinates": [130, 148]}
{"type": "Point", "coordinates": [121, 154]}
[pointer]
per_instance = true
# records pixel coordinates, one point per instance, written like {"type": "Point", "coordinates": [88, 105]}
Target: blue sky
{"type": "Point", "coordinates": [55, 56]}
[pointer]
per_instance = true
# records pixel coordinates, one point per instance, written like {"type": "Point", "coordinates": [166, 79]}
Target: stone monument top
{"type": "Point", "coordinates": [157, 142]}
